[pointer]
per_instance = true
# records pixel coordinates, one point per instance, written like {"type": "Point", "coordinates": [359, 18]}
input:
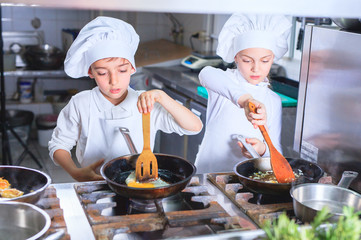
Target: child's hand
{"type": "Point", "coordinates": [147, 99]}
{"type": "Point", "coordinates": [257, 144]}
{"type": "Point", "coordinates": [88, 173]}
{"type": "Point", "coordinates": [259, 118]}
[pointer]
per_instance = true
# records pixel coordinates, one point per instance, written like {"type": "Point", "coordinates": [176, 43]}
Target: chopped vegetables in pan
{"type": "Point", "coordinates": [269, 177]}
{"type": "Point", "coordinates": [6, 191]}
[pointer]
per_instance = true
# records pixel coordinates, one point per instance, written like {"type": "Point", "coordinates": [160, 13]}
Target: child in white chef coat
{"type": "Point", "coordinates": [253, 42]}
{"type": "Point", "coordinates": [104, 50]}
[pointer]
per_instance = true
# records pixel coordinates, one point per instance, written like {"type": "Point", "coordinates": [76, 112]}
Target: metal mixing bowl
{"type": "Point", "coordinates": [348, 23]}
{"type": "Point", "coordinates": [43, 57]}
{"type": "Point", "coordinates": [22, 221]}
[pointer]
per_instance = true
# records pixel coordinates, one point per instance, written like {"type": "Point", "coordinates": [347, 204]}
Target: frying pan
{"type": "Point", "coordinates": [31, 181]}
{"type": "Point", "coordinates": [310, 198]}
{"type": "Point", "coordinates": [173, 169]}
{"type": "Point", "coordinates": [311, 173]}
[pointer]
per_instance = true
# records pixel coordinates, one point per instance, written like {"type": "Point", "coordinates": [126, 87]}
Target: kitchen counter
{"type": "Point", "coordinates": [79, 228]}
{"type": "Point", "coordinates": [158, 51]}
{"type": "Point", "coordinates": [179, 78]}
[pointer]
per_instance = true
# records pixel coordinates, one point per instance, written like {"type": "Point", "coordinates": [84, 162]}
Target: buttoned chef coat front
{"type": "Point", "coordinates": [92, 123]}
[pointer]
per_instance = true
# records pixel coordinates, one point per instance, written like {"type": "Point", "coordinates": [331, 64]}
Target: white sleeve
{"type": "Point", "coordinates": [165, 122]}
{"type": "Point", "coordinates": [66, 133]}
{"type": "Point", "coordinates": [221, 82]}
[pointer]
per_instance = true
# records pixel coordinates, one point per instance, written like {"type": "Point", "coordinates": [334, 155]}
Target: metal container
{"type": "Point", "coordinates": [32, 182]}
{"type": "Point", "coordinates": [310, 198]}
{"type": "Point", "coordinates": [22, 221]}
{"type": "Point", "coordinates": [43, 57]}
{"type": "Point", "coordinates": [348, 23]}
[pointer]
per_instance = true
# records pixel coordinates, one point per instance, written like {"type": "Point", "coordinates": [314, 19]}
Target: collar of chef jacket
{"type": "Point", "coordinates": [122, 110]}
{"type": "Point", "coordinates": [264, 83]}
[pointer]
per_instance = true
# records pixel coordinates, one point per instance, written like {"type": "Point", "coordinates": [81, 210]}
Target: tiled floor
{"type": "Point", "coordinates": [57, 173]}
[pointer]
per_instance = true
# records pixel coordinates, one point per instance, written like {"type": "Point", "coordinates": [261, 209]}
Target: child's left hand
{"type": "Point", "coordinates": [147, 99]}
{"type": "Point", "coordinates": [257, 144]}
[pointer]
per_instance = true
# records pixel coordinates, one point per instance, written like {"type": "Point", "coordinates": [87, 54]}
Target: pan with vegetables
{"type": "Point", "coordinates": [256, 174]}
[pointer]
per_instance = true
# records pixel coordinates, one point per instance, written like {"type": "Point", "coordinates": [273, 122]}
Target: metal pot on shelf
{"type": "Point", "coordinates": [41, 57]}
{"type": "Point", "coordinates": [348, 23]}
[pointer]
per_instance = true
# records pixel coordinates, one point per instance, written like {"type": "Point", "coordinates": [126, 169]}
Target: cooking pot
{"type": "Point", "coordinates": [172, 169]}
{"type": "Point", "coordinates": [32, 182]}
{"type": "Point", "coordinates": [22, 221]}
{"type": "Point", "coordinates": [348, 23]}
{"type": "Point", "coordinates": [42, 57]}
{"type": "Point", "coordinates": [311, 173]}
{"type": "Point", "coordinates": [310, 198]}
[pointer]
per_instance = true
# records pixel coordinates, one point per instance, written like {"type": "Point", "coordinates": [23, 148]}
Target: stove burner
{"type": "Point", "coordinates": [145, 206]}
{"type": "Point", "coordinates": [259, 207]}
{"type": "Point", "coordinates": [192, 212]}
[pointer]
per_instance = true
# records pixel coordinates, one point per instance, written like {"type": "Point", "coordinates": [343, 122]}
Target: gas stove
{"type": "Point", "coordinates": [259, 207]}
{"type": "Point", "coordinates": [192, 212]}
{"type": "Point", "coordinates": [50, 203]}
{"type": "Point", "coordinates": [213, 206]}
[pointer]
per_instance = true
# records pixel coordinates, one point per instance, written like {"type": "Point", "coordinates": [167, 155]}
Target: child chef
{"type": "Point", "coordinates": [104, 50]}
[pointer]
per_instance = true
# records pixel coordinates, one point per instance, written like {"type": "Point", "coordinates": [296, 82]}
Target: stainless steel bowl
{"type": "Point", "coordinates": [348, 23]}
{"type": "Point", "coordinates": [22, 221]}
{"type": "Point", "coordinates": [31, 181]}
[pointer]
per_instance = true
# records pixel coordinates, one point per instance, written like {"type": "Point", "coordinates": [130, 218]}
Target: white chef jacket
{"type": "Point", "coordinates": [92, 123]}
{"type": "Point", "coordinates": [219, 151]}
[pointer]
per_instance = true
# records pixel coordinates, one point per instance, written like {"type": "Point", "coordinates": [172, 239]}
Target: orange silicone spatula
{"type": "Point", "coordinates": [146, 168]}
{"type": "Point", "coordinates": [280, 166]}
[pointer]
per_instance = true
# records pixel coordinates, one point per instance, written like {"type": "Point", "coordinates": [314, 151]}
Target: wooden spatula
{"type": "Point", "coordinates": [280, 166]}
{"type": "Point", "coordinates": [146, 168]}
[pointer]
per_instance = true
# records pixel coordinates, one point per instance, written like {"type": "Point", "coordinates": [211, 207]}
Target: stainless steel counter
{"type": "Point", "coordinates": [79, 227]}
{"type": "Point", "coordinates": [177, 77]}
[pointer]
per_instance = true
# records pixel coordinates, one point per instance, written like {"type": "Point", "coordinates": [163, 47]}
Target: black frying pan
{"type": "Point", "coordinates": [31, 181]}
{"type": "Point", "coordinates": [312, 173]}
{"type": "Point", "coordinates": [172, 169]}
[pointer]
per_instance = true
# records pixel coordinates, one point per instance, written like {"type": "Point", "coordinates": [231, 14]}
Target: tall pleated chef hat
{"type": "Point", "coordinates": [101, 38]}
{"type": "Point", "coordinates": [242, 31]}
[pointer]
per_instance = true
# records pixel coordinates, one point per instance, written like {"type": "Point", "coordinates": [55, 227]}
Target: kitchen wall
{"type": "Point", "coordinates": [149, 25]}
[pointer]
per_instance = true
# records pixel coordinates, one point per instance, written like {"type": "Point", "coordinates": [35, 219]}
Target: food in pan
{"type": "Point", "coordinates": [132, 182]}
{"type": "Point", "coordinates": [11, 193]}
{"type": "Point", "coordinates": [6, 191]}
{"type": "Point", "coordinates": [4, 184]}
{"type": "Point", "coordinates": [269, 177]}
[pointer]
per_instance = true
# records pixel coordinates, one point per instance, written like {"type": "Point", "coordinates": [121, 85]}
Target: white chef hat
{"type": "Point", "coordinates": [243, 31]}
{"type": "Point", "coordinates": [101, 38]}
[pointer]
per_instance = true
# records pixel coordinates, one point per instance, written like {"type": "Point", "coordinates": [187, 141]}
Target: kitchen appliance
{"type": "Point", "coordinates": [192, 212]}
{"type": "Point", "coordinates": [198, 60]}
{"type": "Point", "coordinates": [328, 126]}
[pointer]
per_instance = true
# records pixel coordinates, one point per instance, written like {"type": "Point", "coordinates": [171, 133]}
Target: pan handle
{"type": "Point", "coordinates": [128, 139]}
{"type": "Point", "coordinates": [347, 178]}
{"type": "Point", "coordinates": [249, 148]}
